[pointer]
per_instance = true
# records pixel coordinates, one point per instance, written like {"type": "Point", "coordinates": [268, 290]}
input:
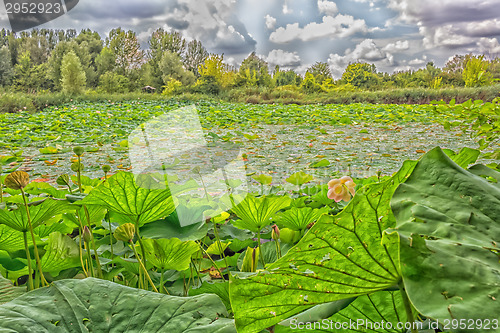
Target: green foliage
{"type": "Point", "coordinates": [476, 72]}
{"type": "Point", "coordinates": [310, 85]}
{"type": "Point", "coordinates": [172, 68]}
{"type": "Point", "coordinates": [8, 291]}
{"type": "Point", "coordinates": [360, 75]}
{"type": "Point", "coordinates": [254, 72]}
{"type": "Point", "coordinates": [125, 48]}
{"type": "Point", "coordinates": [320, 71]}
{"type": "Point", "coordinates": [113, 83]}
{"type": "Point", "coordinates": [98, 305]}
{"type": "Point", "coordinates": [73, 78]}
{"type": "Point", "coordinates": [15, 102]}
{"type": "Point", "coordinates": [448, 221]}
{"type": "Point", "coordinates": [255, 213]}
{"type": "Point", "coordinates": [342, 256]}
{"type": "Point", "coordinates": [141, 199]}
{"type": "Point", "coordinates": [170, 253]}
{"type": "Point", "coordinates": [6, 70]}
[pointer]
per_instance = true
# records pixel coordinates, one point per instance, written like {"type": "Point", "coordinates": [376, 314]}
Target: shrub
{"type": "Point", "coordinates": [15, 102]}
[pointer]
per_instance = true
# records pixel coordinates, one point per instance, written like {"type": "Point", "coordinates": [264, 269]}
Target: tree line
{"type": "Point", "coordinates": [49, 60]}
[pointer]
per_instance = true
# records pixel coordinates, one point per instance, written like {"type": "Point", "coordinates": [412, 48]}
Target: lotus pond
{"type": "Point", "coordinates": [112, 218]}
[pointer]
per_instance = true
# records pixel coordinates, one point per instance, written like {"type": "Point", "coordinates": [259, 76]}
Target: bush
{"type": "Point", "coordinates": [10, 102]}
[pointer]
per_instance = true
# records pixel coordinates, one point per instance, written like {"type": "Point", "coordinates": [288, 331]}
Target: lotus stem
{"type": "Point", "coordinates": [408, 306]}
{"type": "Point", "coordinates": [213, 262]}
{"type": "Point", "coordinates": [142, 246]}
{"type": "Point", "coordinates": [80, 244]}
{"type": "Point", "coordinates": [28, 256]}
{"type": "Point", "coordinates": [142, 266]}
{"type": "Point", "coordinates": [79, 174]}
{"type": "Point", "coordinates": [260, 252]}
{"type": "Point", "coordinates": [219, 245]}
{"type": "Point", "coordinates": [161, 280]}
{"type": "Point", "coordinates": [35, 249]}
{"type": "Point", "coordinates": [89, 258]}
{"type": "Point", "coordinates": [98, 263]}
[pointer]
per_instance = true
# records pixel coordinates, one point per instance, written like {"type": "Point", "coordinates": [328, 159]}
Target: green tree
{"type": "Point", "coordinates": [476, 72]}
{"type": "Point", "coordinates": [105, 61]}
{"type": "Point", "coordinates": [310, 85]}
{"type": "Point", "coordinates": [6, 71]}
{"type": "Point", "coordinates": [171, 68]}
{"type": "Point", "coordinates": [320, 71]}
{"type": "Point", "coordinates": [73, 77]}
{"type": "Point", "coordinates": [361, 75]}
{"type": "Point", "coordinates": [194, 56]}
{"type": "Point", "coordinates": [57, 55]}
{"type": "Point", "coordinates": [126, 48]}
{"type": "Point", "coordinates": [113, 83]}
{"type": "Point", "coordinates": [254, 72]}
{"type": "Point", "coordinates": [284, 78]}
{"type": "Point", "coordinates": [212, 73]}
{"type": "Point", "coordinates": [27, 76]}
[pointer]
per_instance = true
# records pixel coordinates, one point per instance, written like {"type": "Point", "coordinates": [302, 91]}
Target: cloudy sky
{"type": "Point", "coordinates": [392, 34]}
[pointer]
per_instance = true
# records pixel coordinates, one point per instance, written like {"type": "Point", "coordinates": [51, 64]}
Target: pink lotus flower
{"type": "Point", "coordinates": [341, 189]}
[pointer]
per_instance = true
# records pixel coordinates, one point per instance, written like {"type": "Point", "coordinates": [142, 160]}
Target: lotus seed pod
{"type": "Point", "coordinates": [74, 167]}
{"type": "Point", "coordinates": [125, 232]}
{"type": "Point", "coordinates": [78, 151]}
{"type": "Point", "coordinates": [17, 180]}
{"type": "Point", "coordinates": [106, 168]}
{"type": "Point", "coordinates": [62, 180]}
{"type": "Point", "coordinates": [87, 235]}
{"type": "Point", "coordinates": [289, 235]}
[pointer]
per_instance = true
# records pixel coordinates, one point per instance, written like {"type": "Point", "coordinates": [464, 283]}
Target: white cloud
{"type": "Point", "coordinates": [213, 23]}
{"type": "Point", "coordinates": [327, 7]}
{"type": "Point", "coordinates": [446, 35]}
{"type": "Point", "coordinates": [283, 58]}
{"type": "Point", "coordinates": [417, 61]}
{"type": "Point", "coordinates": [330, 27]}
{"type": "Point", "coordinates": [270, 21]}
{"type": "Point", "coordinates": [286, 9]}
{"type": "Point", "coordinates": [366, 51]}
{"type": "Point", "coordinates": [489, 46]}
{"type": "Point", "coordinates": [398, 46]}
{"type": "Point", "coordinates": [449, 23]}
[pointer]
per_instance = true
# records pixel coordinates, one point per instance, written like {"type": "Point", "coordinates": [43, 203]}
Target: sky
{"type": "Point", "coordinates": [294, 34]}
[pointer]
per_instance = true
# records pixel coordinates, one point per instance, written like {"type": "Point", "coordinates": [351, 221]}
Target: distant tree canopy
{"type": "Point", "coordinates": [32, 61]}
{"type": "Point", "coordinates": [73, 77]}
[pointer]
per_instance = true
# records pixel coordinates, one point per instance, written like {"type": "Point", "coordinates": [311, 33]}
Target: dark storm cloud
{"type": "Point", "coordinates": [177, 24]}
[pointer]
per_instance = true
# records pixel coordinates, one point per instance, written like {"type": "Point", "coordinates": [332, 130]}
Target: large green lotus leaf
{"type": "Point", "coordinates": [256, 212]}
{"type": "Point", "coordinates": [93, 305]}
{"type": "Point", "coordinates": [360, 315]}
{"type": "Point", "coordinates": [17, 219]}
{"type": "Point", "coordinates": [484, 171]}
{"type": "Point", "coordinates": [121, 194]}
{"type": "Point", "coordinates": [299, 218]}
{"type": "Point", "coordinates": [194, 227]}
{"type": "Point", "coordinates": [340, 257]}
{"type": "Point", "coordinates": [45, 230]}
{"type": "Point", "coordinates": [8, 291]}
{"type": "Point", "coordinates": [10, 239]}
{"type": "Point", "coordinates": [220, 289]}
{"type": "Point", "coordinates": [169, 253]}
{"type": "Point", "coordinates": [454, 271]}
{"type": "Point", "coordinates": [11, 264]}
{"type": "Point", "coordinates": [465, 156]}
{"type": "Point", "coordinates": [95, 213]}
{"type": "Point", "coordinates": [61, 252]}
